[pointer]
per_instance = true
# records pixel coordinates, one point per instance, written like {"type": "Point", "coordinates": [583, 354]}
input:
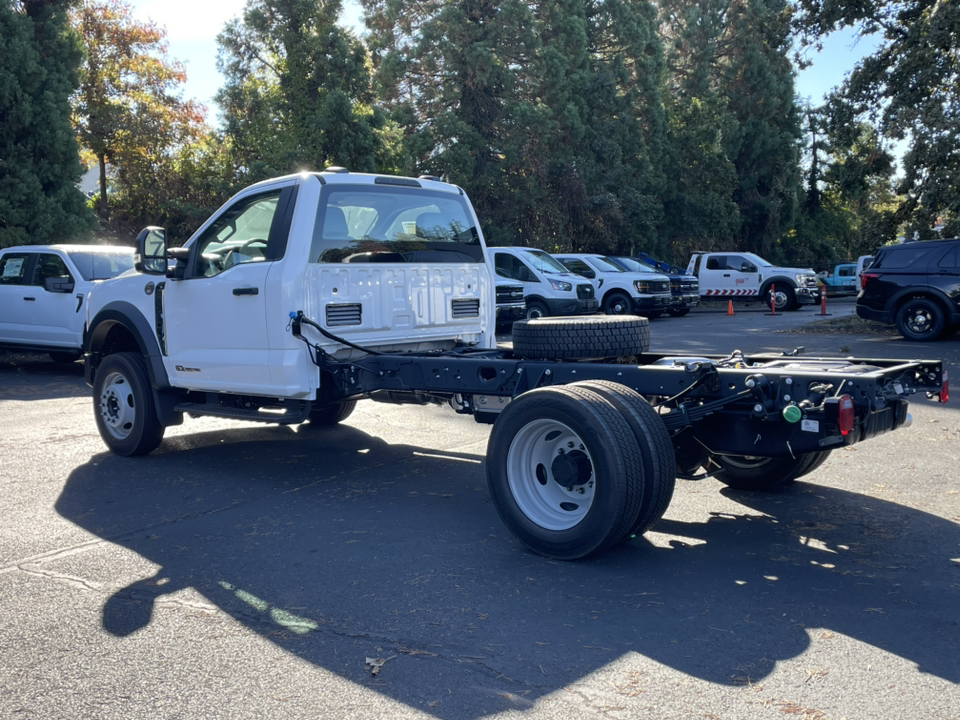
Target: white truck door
{"type": "Point", "coordinates": [57, 320]}
{"type": "Point", "coordinates": [739, 276]}
{"type": "Point", "coordinates": [15, 294]}
{"type": "Point", "coordinates": [215, 318]}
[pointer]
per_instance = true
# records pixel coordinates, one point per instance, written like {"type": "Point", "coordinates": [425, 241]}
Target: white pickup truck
{"type": "Point", "coordinates": [743, 275]}
{"type": "Point", "coordinates": [304, 294]}
{"type": "Point", "coordinates": [42, 292]}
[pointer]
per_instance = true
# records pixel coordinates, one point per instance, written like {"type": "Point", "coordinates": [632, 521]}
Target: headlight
{"type": "Point", "coordinates": [561, 285]}
{"type": "Point", "coordinates": [807, 280]}
{"type": "Point", "coordinates": [642, 286]}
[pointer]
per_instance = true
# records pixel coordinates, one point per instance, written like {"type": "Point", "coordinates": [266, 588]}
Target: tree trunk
{"type": "Point", "coordinates": [104, 212]}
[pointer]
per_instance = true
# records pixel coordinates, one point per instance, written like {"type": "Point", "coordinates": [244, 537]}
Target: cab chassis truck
{"type": "Point", "coordinates": [589, 429]}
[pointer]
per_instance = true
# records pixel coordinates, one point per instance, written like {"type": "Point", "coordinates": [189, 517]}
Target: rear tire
{"type": "Point", "coordinates": [920, 320]}
{"type": "Point", "coordinates": [578, 338]}
{"type": "Point", "coordinates": [764, 474]}
{"type": "Point", "coordinates": [655, 446]}
{"type": "Point", "coordinates": [564, 472]}
{"type": "Point", "coordinates": [124, 407]}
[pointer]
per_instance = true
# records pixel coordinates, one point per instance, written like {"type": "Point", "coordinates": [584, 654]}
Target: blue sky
{"type": "Point", "coordinates": [192, 29]}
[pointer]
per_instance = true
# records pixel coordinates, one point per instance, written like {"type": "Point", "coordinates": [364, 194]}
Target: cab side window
{"type": "Point", "coordinates": [50, 266]}
{"type": "Point", "coordinates": [240, 235]}
{"type": "Point", "coordinates": [13, 268]}
{"type": "Point", "coordinates": [510, 267]}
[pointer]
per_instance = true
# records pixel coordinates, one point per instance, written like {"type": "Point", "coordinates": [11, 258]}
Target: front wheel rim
{"type": "Point", "coordinates": [551, 475]}
{"type": "Point", "coordinates": [118, 408]}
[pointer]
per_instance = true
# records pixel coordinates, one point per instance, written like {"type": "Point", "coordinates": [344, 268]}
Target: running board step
{"type": "Point", "coordinates": [292, 412]}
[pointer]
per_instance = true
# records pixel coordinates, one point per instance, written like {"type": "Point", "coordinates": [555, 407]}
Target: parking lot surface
{"type": "Point", "coordinates": [361, 571]}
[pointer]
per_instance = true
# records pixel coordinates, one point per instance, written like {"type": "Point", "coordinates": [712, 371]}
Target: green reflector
{"type": "Point", "coordinates": [792, 414]}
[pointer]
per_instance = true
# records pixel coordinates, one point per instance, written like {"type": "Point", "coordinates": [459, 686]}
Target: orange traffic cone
{"type": "Point", "coordinates": [729, 307]}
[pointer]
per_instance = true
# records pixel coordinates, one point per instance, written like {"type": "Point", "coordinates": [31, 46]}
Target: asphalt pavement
{"type": "Point", "coordinates": [361, 571]}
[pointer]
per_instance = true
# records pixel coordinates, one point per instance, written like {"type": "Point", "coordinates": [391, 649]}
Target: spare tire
{"type": "Point", "coordinates": [581, 338]}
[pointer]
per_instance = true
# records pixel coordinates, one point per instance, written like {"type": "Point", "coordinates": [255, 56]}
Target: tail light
{"type": "Point", "coordinates": [867, 276]}
{"type": "Point", "coordinates": [840, 413]}
{"type": "Point", "coordinates": [845, 415]}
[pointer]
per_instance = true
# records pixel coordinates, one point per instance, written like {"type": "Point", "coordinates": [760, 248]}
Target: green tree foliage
{"type": "Point", "coordinates": [699, 206]}
{"type": "Point", "coordinates": [909, 87]}
{"type": "Point", "coordinates": [128, 109]}
{"type": "Point", "coordinates": [734, 122]}
{"type": "Point", "coordinates": [39, 156]}
{"type": "Point", "coordinates": [548, 113]}
{"type": "Point", "coordinates": [298, 93]}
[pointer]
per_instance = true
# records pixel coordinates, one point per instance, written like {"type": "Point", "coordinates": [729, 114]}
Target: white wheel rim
{"type": "Point", "coordinates": [537, 450]}
{"type": "Point", "coordinates": [746, 462]}
{"type": "Point", "coordinates": [117, 407]}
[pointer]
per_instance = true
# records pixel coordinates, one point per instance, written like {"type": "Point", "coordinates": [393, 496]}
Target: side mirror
{"type": "Point", "coordinates": [151, 257]}
{"type": "Point", "coordinates": [62, 284]}
{"type": "Point", "coordinates": [747, 267]}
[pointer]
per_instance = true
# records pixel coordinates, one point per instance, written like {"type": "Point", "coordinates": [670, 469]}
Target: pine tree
{"type": "Point", "coordinates": [298, 93]}
{"type": "Point", "coordinates": [39, 156]}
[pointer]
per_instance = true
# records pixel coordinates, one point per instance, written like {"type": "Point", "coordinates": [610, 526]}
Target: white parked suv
{"type": "Point", "coordinates": [621, 292]}
{"type": "Point", "coordinates": [42, 292]}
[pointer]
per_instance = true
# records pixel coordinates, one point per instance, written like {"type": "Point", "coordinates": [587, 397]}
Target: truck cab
{"type": "Point", "coordinates": [388, 263]}
{"type": "Point", "coordinates": [744, 275]}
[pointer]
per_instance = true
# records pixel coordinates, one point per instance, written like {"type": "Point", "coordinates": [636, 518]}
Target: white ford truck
{"type": "Point", "coordinates": [743, 275]}
{"type": "Point", "coordinates": [304, 294]}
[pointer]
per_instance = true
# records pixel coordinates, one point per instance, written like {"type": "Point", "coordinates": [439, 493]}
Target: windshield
{"type": "Point", "coordinates": [604, 265]}
{"type": "Point", "coordinates": [362, 223]}
{"type": "Point", "coordinates": [635, 265]}
{"type": "Point", "coordinates": [101, 265]}
{"type": "Point", "coordinates": [757, 260]}
{"type": "Point", "coordinates": [543, 262]}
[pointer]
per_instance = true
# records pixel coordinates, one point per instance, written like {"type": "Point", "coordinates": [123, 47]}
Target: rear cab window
{"type": "Point", "coordinates": [363, 223]}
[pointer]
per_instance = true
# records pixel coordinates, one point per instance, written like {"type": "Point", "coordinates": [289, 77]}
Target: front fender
{"type": "Point", "coordinates": [120, 326]}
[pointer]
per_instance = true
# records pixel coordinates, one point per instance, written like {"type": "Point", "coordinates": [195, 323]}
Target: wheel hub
{"type": "Point", "coordinates": [571, 469]}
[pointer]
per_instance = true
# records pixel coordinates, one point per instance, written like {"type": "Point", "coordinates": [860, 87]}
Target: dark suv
{"type": "Point", "coordinates": [915, 285]}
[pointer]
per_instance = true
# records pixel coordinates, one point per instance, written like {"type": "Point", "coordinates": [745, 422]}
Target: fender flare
{"type": "Point", "coordinates": [132, 320]}
{"type": "Point", "coordinates": [776, 280]}
{"type": "Point", "coordinates": [933, 293]}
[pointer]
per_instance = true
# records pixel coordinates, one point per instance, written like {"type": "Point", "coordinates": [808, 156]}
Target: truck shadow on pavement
{"type": "Point", "coordinates": [339, 547]}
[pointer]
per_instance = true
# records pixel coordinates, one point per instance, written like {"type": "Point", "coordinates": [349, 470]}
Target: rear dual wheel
{"type": "Point", "coordinates": [575, 469]}
{"type": "Point", "coordinates": [763, 473]}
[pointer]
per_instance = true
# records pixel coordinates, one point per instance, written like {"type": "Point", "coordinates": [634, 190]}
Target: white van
{"type": "Point", "coordinates": [620, 291]}
{"type": "Point", "coordinates": [548, 287]}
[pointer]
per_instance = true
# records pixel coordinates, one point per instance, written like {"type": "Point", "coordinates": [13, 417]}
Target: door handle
{"type": "Point", "coordinates": [246, 291]}
{"type": "Point", "coordinates": [726, 274]}
{"type": "Point", "coordinates": [30, 299]}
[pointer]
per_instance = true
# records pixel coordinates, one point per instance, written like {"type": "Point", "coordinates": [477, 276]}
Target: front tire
{"type": "Point", "coordinates": [764, 474]}
{"type": "Point", "coordinates": [537, 309]}
{"type": "Point", "coordinates": [124, 407]}
{"type": "Point", "coordinates": [784, 298]}
{"type": "Point", "coordinates": [920, 320]}
{"type": "Point", "coordinates": [564, 472]}
{"type": "Point", "coordinates": [332, 414]}
{"type": "Point", "coordinates": [616, 304]}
